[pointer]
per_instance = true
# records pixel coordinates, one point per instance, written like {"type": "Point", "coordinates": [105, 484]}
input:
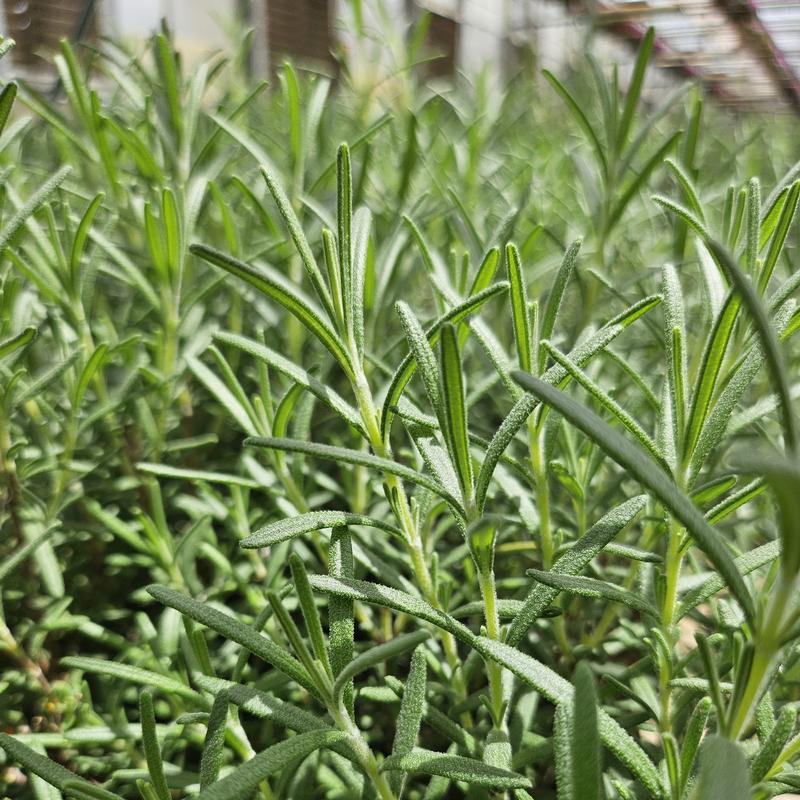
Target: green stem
{"type": "Point", "coordinates": [363, 752]}
{"type": "Point", "coordinates": [494, 670]}
{"type": "Point", "coordinates": [542, 499]}
{"type": "Point", "coordinates": [402, 510]}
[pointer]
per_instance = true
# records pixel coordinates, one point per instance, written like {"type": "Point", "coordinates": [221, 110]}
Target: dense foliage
{"type": "Point", "coordinates": [453, 462]}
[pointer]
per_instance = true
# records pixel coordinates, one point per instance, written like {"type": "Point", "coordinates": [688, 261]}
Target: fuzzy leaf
{"type": "Point", "coordinates": [244, 780]}
{"type": "Point", "coordinates": [48, 770]}
{"type": "Point", "coordinates": [288, 528]}
{"type": "Point", "coordinates": [556, 296]}
{"type": "Point", "coordinates": [591, 587]}
{"type": "Point", "coordinates": [457, 768]}
{"type": "Point", "coordinates": [412, 708]}
{"type": "Point", "coordinates": [520, 315]}
{"type": "Point", "coordinates": [454, 412]}
{"type": "Point", "coordinates": [723, 771]}
{"type": "Point", "coordinates": [131, 674]}
{"type": "Point", "coordinates": [403, 373]}
{"type": "Point", "coordinates": [586, 764]}
{"type": "Point", "coordinates": [299, 239]}
{"type": "Point", "coordinates": [152, 749]}
{"type": "Point", "coordinates": [211, 758]}
{"type": "Point", "coordinates": [773, 746]}
{"type": "Point", "coordinates": [27, 209]}
{"type": "Point", "coordinates": [341, 622]}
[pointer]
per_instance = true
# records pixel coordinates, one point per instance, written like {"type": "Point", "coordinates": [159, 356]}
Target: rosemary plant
{"type": "Point", "coordinates": [458, 461]}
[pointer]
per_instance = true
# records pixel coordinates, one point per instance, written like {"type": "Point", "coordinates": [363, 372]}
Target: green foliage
{"type": "Point", "coordinates": [298, 498]}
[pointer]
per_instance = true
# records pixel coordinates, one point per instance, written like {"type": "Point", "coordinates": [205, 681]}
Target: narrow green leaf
{"type": "Point", "coordinates": [556, 296]}
{"type": "Point", "coordinates": [457, 768]}
{"type": "Point", "coordinates": [211, 759]}
{"type": "Point", "coordinates": [47, 770]}
{"type": "Point", "coordinates": [22, 339]}
{"type": "Point", "coordinates": [403, 373]}
{"type": "Point", "coordinates": [710, 365]}
{"type": "Point", "coordinates": [693, 735]}
{"type": "Point", "coordinates": [152, 749]}
{"type": "Point", "coordinates": [344, 219]}
{"type": "Point", "coordinates": [773, 746]}
{"type": "Point", "coordinates": [299, 238]}
{"type": "Point", "coordinates": [165, 471]}
{"type": "Point", "coordinates": [586, 764]}
{"type": "Point", "coordinates": [287, 297]}
{"type": "Point", "coordinates": [131, 674]}
{"type": "Point", "coordinates": [361, 228]}
{"type": "Point", "coordinates": [94, 363]}
{"type": "Point", "coordinates": [689, 190]}
{"type": "Point", "coordinates": [681, 211]}
{"type": "Point", "coordinates": [82, 236]}
{"type": "Point", "coordinates": [165, 59]}
{"type": "Point", "coordinates": [341, 623]}
{"type": "Point", "coordinates": [591, 587]}
{"type": "Point", "coordinates": [769, 341]}
{"type": "Point", "coordinates": [650, 475]}
{"type": "Point", "coordinates": [635, 87]}
{"type": "Point", "coordinates": [296, 642]}
{"type": "Point", "coordinates": [236, 631]}
{"type": "Point", "coordinates": [288, 528]}
{"type": "Point", "coordinates": [486, 271]}
{"type": "Point", "coordinates": [752, 216]}
{"type": "Point", "coordinates": [424, 358]}
{"type": "Point", "coordinates": [580, 118]}
{"type": "Point", "coordinates": [454, 410]}
{"type": "Point", "coordinates": [520, 316]}
{"type": "Point", "coordinates": [778, 239]}
{"type": "Point", "coordinates": [244, 780]}
{"type": "Point", "coordinates": [723, 771]}
{"type": "Point", "coordinates": [7, 97]}
{"type": "Point", "coordinates": [557, 690]}
{"type": "Point", "coordinates": [309, 610]}
{"type": "Point", "coordinates": [300, 376]}
{"type": "Point", "coordinates": [37, 199]}
{"type": "Point", "coordinates": [172, 230]}
{"type": "Point", "coordinates": [412, 708]}
{"type": "Point", "coordinates": [10, 564]}
{"type": "Point", "coordinates": [562, 751]}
